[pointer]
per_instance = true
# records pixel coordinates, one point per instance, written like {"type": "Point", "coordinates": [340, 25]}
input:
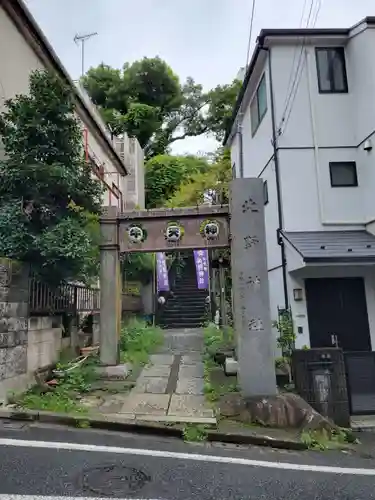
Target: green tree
{"type": "Point", "coordinates": [221, 103]}
{"type": "Point", "coordinates": [48, 199]}
{"type": "Point", "coordinates": [165, 173]}
{"type": "Point", "coordinates": [209, 185]}
{"type": "Point", "coordinates": [138, 266]}
{"type": "Point", "coordinates": [146, 100]}
{"type": "Point", "coordinates": [135, 99]}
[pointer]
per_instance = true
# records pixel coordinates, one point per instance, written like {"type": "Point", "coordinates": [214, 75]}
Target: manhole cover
{"type": "Point", "coordinates": [114, 480]}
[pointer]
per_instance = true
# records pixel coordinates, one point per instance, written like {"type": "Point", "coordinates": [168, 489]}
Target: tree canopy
{"type": "Point", "coordinates": [210, 185]}
{"type": "Point", "coordinates": [147, 100]}
{"type": "Point", "coordinates": [49, 202]}
{"type": "Point", "coordinates": [165, 173]}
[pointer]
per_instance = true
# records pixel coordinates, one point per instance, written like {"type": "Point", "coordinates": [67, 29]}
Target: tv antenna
{"type": "Point", "coordinates": [83, 39]}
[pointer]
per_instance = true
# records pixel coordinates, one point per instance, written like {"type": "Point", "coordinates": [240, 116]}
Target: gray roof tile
{"type": "Point", "coordinates": [331, 245]}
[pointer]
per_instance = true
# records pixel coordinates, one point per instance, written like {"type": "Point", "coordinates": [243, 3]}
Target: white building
{"type": "Point", "coordinates": [23, 49]}
{"type": "Point", "coordinates": [305, 123]}
{"type": "Point", "coordinates": [132, 154]}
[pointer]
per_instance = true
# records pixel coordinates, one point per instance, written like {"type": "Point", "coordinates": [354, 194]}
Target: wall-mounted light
{"type": "Point", "coordinates": [367, 146]}
{"type": "Point", "coordinates": [297, 294]}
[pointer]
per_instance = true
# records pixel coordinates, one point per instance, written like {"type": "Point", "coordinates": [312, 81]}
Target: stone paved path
{"type": "Point", "coordinates": [170, 388]}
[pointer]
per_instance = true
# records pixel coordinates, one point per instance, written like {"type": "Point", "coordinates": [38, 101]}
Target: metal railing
{"type": "Point", "coordinates": [360, 373]}
{"type": "Point", "coordinates": [66, 298]}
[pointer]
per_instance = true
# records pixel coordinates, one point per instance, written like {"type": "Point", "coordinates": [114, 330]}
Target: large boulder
{"type": "Point", "coordinates": [286, 410]}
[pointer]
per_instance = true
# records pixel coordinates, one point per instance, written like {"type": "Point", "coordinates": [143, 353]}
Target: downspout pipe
{"type": "Point", "coordinates": [280, 216]}
{"type": "Point", "coordinates": [240, 144]}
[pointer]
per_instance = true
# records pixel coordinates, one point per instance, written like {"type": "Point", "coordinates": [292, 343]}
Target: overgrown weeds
{"type": "Point", "coordinates": [65, 397]}
{"type": "Point", "coordinates": [138, 340]}
{"type": "Point", "coordinates": [195, 433]}
{"type": "Point", "coordinates": [325, 440]}
{"type": "Point", "coordinates": [215, 340]}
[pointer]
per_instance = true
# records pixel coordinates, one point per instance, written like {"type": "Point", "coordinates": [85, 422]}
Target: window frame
{"type": "Point", "coordinates": [353, 164]}
{"type": "Point", "coordinates": [256, 100]}
{"type": "Point", "coordinates": [265, 192]}
{"type": "Point", "coordinates": [234, 171]}
{"type": "Point", "coordinates": [345, 76]}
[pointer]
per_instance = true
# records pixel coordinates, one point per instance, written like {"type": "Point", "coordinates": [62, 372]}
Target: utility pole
{"type": "Point", "coordinates": [83, 39]}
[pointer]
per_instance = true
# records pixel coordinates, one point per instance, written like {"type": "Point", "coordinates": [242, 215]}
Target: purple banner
{"type": "Point", "coordinates": [201, 267]}
{"type": "Point", "coordinates": [162, 272]}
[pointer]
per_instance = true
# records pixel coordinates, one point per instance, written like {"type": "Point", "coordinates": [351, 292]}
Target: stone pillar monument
{"type": "Point", "coordinates": [109, 288]}
{"type": "Point", "coordinates": [252, 320]}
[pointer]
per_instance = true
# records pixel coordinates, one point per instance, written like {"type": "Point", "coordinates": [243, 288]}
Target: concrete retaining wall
{"type": "Point", "coordinates": [45, 342]}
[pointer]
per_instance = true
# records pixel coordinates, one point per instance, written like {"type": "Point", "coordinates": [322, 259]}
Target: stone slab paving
{"type": "Point", "coordinates": [156, 371]}
{"type": "Point", "coordinates": [190, 386]}
{"type": "Point", "coordinates": [189, 405]}
{"type": "Point", "coordinates": [191, 371]}
{"type": "Point", "coordinates": [170, 387]}
{"type": "Point", "coordinates": [149, 404]}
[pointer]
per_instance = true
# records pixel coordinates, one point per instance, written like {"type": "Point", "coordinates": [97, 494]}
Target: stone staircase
{"type": "Point", "coordinates": [186, 307]}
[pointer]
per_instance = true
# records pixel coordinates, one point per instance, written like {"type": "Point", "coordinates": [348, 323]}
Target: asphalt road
{"type": "Point", "coordinates": [38, 461]}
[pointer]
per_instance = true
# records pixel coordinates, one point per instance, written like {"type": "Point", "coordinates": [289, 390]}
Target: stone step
{"type": "Point", "coordinates": [188, 312]}
{"type": "Point", "coordinates": [176, 319]}
{"type": "Point", "coordinates": [192, 296]}
{"type": "Point", "coordinates": [184, 306]}
{"type": "Point", "coordinates": [167, 326]}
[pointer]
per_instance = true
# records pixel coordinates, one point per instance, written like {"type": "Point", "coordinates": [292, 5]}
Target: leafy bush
{"type": "Point", "coordinates": [63, 399]}
{"type": "Point", "coordinates": [138, 340]}
{"type": "Point", "coordinates": [215, 339]}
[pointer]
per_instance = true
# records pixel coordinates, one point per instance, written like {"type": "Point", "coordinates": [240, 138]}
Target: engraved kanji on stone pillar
{"type": "Point", "coordinates": [252, 319]}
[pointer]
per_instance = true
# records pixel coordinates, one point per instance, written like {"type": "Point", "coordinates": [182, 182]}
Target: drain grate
{"type": "Point", "coordinates": [114, 480]}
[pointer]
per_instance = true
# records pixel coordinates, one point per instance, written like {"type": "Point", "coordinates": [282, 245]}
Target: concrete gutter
{"type": "Point", "coordinates": [113, 423]}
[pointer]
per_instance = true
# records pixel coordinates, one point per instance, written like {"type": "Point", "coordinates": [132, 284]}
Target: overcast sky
{"type": "Point", "coordinates": [205, 39]}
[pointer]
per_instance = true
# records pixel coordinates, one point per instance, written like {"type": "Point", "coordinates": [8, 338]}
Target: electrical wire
{"type": "Point", "coordinates": [298, 72]}
{"type": "Point", "coordinates": [286, 119]}
{"type": "Point", "coordinates": [250, 32]}
{"type": "Point", "coordinates": [294, 55]}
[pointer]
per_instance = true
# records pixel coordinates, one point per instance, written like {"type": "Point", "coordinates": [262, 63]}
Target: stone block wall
{"type": "Point", "coordinates": [14, 302]}
{"type": "Point", "coordinates": [26, 344]}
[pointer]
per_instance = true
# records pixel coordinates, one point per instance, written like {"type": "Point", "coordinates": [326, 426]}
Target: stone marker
{"type": "Point", "coordinates": [252, 320]}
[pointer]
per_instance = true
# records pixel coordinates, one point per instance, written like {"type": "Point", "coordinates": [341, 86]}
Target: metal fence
{"type": "Point", "coordinates": [66, 298]}
{"type": "Point", "coordinates": [319, 376]}
{"type": "Point", "coordinates": [360, 372]}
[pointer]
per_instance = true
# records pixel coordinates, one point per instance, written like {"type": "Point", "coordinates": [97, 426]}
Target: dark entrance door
{"type": "Point", "coordinates": [337, 313]}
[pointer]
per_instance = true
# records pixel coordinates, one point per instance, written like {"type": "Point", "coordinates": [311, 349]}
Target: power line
{"type": "Point", "coordinates": [250, 32]}
{"type": "Point", "coordinates": [286, 120]}
{"type": "Point", "coordinates": [297, 75]}
{"type": "Point", "coordinates": [296, 71]}
{"type": "Point", "coordinates": [295, 55]}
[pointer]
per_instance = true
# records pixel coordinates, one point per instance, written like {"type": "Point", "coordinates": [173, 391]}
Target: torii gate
{"type": "Point", "coordinates": [241, 227]}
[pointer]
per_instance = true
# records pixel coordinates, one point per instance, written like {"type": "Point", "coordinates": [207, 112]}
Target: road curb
{"type": "Point", "coordinates": [150, 428]}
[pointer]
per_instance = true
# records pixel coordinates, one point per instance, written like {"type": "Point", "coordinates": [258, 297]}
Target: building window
{"type": "Point", "coordinates": [258, 106]}
{"type": "Point", "coordinates": [330, 63]}
{"type": "Point", "coordinates": [265, 192]}
{"type": "Point", "coordinates": [343, 174]}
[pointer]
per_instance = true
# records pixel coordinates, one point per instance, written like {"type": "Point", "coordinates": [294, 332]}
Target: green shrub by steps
{"type": "Point", "coordinates": [138, 340]}
{"type": "Point", "coordinates": [215, 339]}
